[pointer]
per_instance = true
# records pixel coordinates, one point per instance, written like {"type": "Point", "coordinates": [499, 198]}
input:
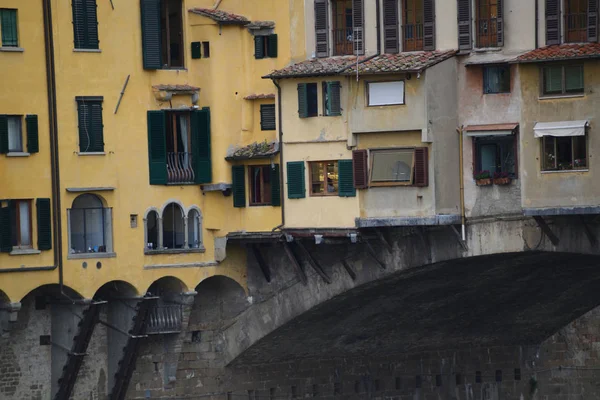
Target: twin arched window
{"type": "Point", "coordinates": [174, 230]}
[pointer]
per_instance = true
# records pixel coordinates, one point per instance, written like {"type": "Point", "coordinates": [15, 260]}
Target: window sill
{"type": "Point", "coordinates": [24, 252]}
{"type": "Point", "coordinates": [172, 69]}
{"type": "Point", "coordinates": [487, 49]}
{"type": "Point", "coordinates": [87, 51]}
{"type": "Point", "coordinates": [17, 154]}
{"type": "Point", "coordinates": [80, 256]}
{"type": "Point", "coordinates": [174, 251]}
{"type": "Point", "coordinates": [565, 171]}
{"type": "Point", "coordinates": [260, 205]}
{"type": "Point", "coordinates": [562, 96]}
{"type": "Point", "coordinates": [12, 49]}
{"type": "Point", "coordinates": [91, 153]}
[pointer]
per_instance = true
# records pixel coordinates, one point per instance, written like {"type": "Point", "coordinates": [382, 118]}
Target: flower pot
{"type": "Point", "coordinates": [502, 181]}
{"type": "Point", "coordinates": [484, 182]}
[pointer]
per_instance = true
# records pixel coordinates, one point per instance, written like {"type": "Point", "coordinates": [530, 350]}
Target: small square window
{"type": "Point", "coordinates": [392, 167]}
{"type": "Point", "coordinates": [8, 24]}
{"type": "Point", "coordinates": [496, 154]}
{"type": "Point", "coordinates": [564, 153]}
{"type": "Point", "coordinates": [496, 79]}
{"type": "Point", "coordinates": [267, 117]}
{"type": "Point", "coordinates": [562, 80]}
{"type": "Point", "coordinates": [15, 136]}
{"type": "Point", "coordinates": [324, 178]}
{"type": "Point", "coordinates": [260, 185]}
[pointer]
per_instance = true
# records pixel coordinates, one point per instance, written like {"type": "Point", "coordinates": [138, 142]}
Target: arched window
{"type": "Point", "coordinates": [152, 230]}
{"type": "Point", "coordinates": [194, 229]}
{"type": "Point", "coordinates": [173, 227]}
{"type": "Point", "coordinates": [90, 225]}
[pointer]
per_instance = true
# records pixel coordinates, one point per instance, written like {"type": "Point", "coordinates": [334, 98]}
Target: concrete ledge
{"type": "Point", "coordinates": [24, 252]}
{"type": "Point", "coordinates": [187, 265]}
{"type": "Point", "coordinates": [174, 251]}
{"type": "Point", "coordinates": [216, 187]}
{"type": "Point", "coordinates": [12, 49]}
{"type": "Point", "coordinates": [434, 220]}
{"type": "Point", "coordinates": [82, 256]}
{"type": "Point", "coordinates": [90, 189]}
{"type": "Point", "coordinates": [534, 212]}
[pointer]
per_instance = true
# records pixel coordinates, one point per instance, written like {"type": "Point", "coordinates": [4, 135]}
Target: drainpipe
{"type": "Point", "coordinates": [462, 184]}
{"type": "Point", "coordinates": [377, 11]}
{"type": "Point", "coordinates": [537, 22]}
{"type": "Point", "coordinates": [279, 114]}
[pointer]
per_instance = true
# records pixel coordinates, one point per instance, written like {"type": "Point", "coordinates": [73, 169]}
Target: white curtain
{"type": "Point", "coordinates": [25, 224]}
{"type": "Point", "coordinates": [14, 134]}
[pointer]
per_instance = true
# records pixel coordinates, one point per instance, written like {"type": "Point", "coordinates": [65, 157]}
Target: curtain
{"type": "Point", "coordinates": [184, 125]}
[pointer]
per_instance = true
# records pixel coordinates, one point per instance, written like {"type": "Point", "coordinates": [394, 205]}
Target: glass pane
{"type": "Point", "coordinates": [317, 178]}
{"type": "Point", "coordinates": [94, 230]}
{"type": "Point", "coordinates": [25, 223]}
{"type": "Point", "coordinates": [488, 158]}
{"type": "Point", "coordinates": [392, 166]}
{"type": "Point", "coordinates": [194, 229]}
{"type": "Point", "coordinates": [579, 152]}
{"type": "Point", "coordinates": [552, 80]}
{"type": "Point", "coordinates": [507, 154]}
{"type": "Point", "coordinates": [77, 231]}
{"type": "Point", "coordinates": [574, 79]}
{"type": "Point", "coordinates": [332, 177]}
{"type": "Point", "coordinates": [14, 134]}
{"type": "Point", "coordinates": [564, 152]}
{"type": "Point", "coordinates": [256, 189]}
{"type": "Point", "coordinates": [313, 107]}
{"type": "Point", "coordinates": [152, 230]}
{"type": "Point", "coordinates": [549, 155]}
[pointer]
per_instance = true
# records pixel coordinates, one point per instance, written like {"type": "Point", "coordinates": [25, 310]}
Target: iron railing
{"type": "Point", "coordinates": [576, 27]}
{"type": "Point", "coordinates": [180, 168]}
{"type": "Point", "coordinates": [413, 37]}
{"type": "Point", "coordinates": [164, 319]}
{"type": "Point", "coordinates": [343, 42]}
{"type": "Point", "coordinates": [487, 32]}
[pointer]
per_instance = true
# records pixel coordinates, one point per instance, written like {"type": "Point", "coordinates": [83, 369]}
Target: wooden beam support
{"type": "Point", "coordinates": [314, 263]}
{"type": "Point", "coordinates": [546, 229]}
{"type": "Point", "coordinates": [373, 255]}
{"type": "Point", "coordinates": [264, 267]}
{"type": "Point", "coordinates": [297, 267]}
{"type": "Point", "coordinates": [349, 269]}
{"type": "Point", "coordinates": [588, 232]}
{"type": "Point", "coordinates": [388, 246]}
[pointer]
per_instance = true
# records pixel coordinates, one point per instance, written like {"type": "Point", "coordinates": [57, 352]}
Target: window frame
{"type": "Point", "coordinates": [417, 41]}
{"type": "Point", "coordinates": [205, 49]}
{"type": "Point", "coordinates": [485, 73]}
{"type": "Point", "coordinates": [16, 28]}
{"type": "Point", "coordinates": [563, 92]}
{"type": "Point", "coordinates": [90, 101]}
{"type": "Point", "coordinates": [478, 141]}
{"type": "Point", "coordinates": [17, 245]}
{"type": "Point", "coordinates": [84, 44]}
{"type": "Point", "coordinates": [166, 51]}
{"type": "Point", "coordinates": [268, 107]}
{"type": "Point", "coordinates": [264, 169]}
{"type": "Point", "coordinates": [543, 155]}
{"type": "Point", "coordinates": [20, 134]}
{"type": "Point", "coordinates": [492, 38]}
{"type": "Point", "coordinates": [107, 234]}
{"type": "Point", "coordinates": [325, 193]}
{"type": "Point", "coordinates": [368, 93]}
{"type": "Point", "coordinates": [387, 184]}
{"type": "Point", "coordinates": [176, 208]}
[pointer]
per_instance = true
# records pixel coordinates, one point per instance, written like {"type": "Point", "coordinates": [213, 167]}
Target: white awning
{"type": "Point", "coordinates": [560, 128]}
{"type": "Point", "coordinates": [491, 130]}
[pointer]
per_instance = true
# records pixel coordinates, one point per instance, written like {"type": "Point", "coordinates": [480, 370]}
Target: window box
{"type": "Point", "coordinates": [483, 178]}
{"type": "Point", "coordinates": [502, 179]}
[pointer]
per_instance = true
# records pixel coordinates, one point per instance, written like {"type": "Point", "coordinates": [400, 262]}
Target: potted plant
{"type": "Point", "coordinates": [483, 178]}
{"type": "Point", "coordinates": [501, 178]}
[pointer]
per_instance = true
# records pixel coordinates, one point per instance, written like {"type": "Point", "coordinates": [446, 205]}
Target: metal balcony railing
{"type": "Point", "coordinates": [343, 42]}
{"type": "Point", "coordinates": [487, 32]}
{"type": "Point", "coordinates": [180, 168]}
{"type": "Point", "coordinates": [164, 319]}
{"type": "Point", "coordinates": [576, 27]}
{"type": "Point", "coordinates": [413, 37]}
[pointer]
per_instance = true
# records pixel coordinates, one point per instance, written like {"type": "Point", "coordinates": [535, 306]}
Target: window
{"type": "Point", "coordinates": [260, 185]}
{"type": "Point", "coordinates": [85, 24]}
{"type": "Point", "coordinates": [179, 156]}
{"type": "Point", "coordinates": [91, 136]}
{"type": "Point", "coordinates": [385, 93]}
{"type": "Point", "coordinates": [173, 227]}
{"type": "Point", "coordinates": [265, 46]}
{"type": "Point", "coordinates": [562, 80]}
{"type": "Point", "coordinates": [152, 230]}
{"type": "Point", "coordinates": [576, 20]}
{"type": "Point", "coordinates": [171, 25]}
{"type": "Point", "coordinates": [496, 79]}
{"type": "Point", "coordinates": [267, 117]}
{"type": "Point", "coordinates": [194, 222]}
{"type": "Point", "coordinates": [331, 99]}
{"type": "Point", "coordinates": [392, 167]}
{"type": "Point", "coordinates": [323, 178]}
{"type": "Point", "coordinates": [308, 105]}
{"type": "Point", "coordinates": [90, 225]}
{"type": "Point", "coordinates": [413, 25]}
{"type": "Point", "coordinates": [8, 24]}
{"type": "Point", "coordinates": [564, 153]}
{"type": "Point", "coordinates": [206, 49]}
{"type": "Point", "coordinates": [496, 154]}
{"type": "Point", "coordinates": [21, 224]}
{"type": "Point", "coordinates": [486, 23]}
{"type": "Point", "coordinates": [15, 137]}
{"type": "Point", "coordinates": [342, 27]}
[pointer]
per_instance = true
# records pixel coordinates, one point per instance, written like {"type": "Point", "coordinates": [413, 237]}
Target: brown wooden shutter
{"type": "Point", "coordinates": [358, 26]}
{"type": "Point", "coordinates": [552, 22]}
{"type": "Point", "coordinates": [464, 25]}
{"type": "Point", "coordinates": [428, 25]}
{"type": "Point", "coordinates": [500, 23]}
{"type": "Point", "coordinates": [361, 169]}
{"type": "Point", "coordinates": [592, 22]}
{"type": "Point", "coordinates": [390, 26]}
{"type": "Point", "coordinates": [321, 28]}
{"type": "Point", "coordinates": [421, 167]}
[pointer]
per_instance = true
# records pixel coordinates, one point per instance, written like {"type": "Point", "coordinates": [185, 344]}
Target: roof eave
{"type": "Point", "coordinates": [546, 60]}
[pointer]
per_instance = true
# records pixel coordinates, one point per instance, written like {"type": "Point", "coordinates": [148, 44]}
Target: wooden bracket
{"type": "Point", "coordinates": [388, 246]}
{"type": "Point", "coordinates": [264, 267]}
{"type": "Point", "coordinates": [588, 232]}
{"type": "Point", "coordinates": [349, 269]}
{"type": "Point", "coordinates": [458, 236]}
{"type": "Point", "coordinates": [314, 263]}
{"type": "Point", "coordinates": [294, 260]}
{"type": "Point", "coordinates": [373, 255]}
{"type": "Point", "coordinates": [546, 229]}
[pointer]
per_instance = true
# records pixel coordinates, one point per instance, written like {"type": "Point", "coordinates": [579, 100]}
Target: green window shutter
{"type": "Point", "coordinates": [346, 179]}
{"type": "Point", "coordinates": [267, 117]}
{"type": "Point", "coordinates": [238, 185]}
{"type": "Point", "coordinates": [151, 36]}
{"type": "Point", "coordinates": [96, 127]}
{"type": "Point", "coordinates": [5, 230]}
{"type": "Point", "coordinates": [295, 180]}
{"type": "Point", "coordinates": [333, 99]}
{"type": "Point", "coordinates": [32, 134]}
{"type": "Point", "coordinates": [44, 224]}
{"type": "Point", "coordinates": [272, 46]}
{"type": "Point", "coordinates": [275, 186]}
{"type": "Point", "coordinates": [91, 20]}
{"type": "Point", "coordinates": [3, 134]}
{"type": "Point", "coordinates": [9, 28]}
{"type": "Point", "coordinates": [201, 151]}
{"type": "Point", "coordinates": [302, 100]}
{"type": "Point", "coordinates": [196, 50]}
{"type": "Point", "coordinates": [259, 47]}
{"type": "Point", "coordinates": [157, 148]}
{"type": "Point", "coordinates": [85, 135]}
{"type": "Point", "coordinates": [85, 24]}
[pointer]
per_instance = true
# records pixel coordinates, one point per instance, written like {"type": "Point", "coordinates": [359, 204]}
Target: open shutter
{"type": "Point", "coordinates": [201, 146]}
{"type": "Point", "coordinates": [96, 127]}
{"type": "Point", "coordinates": [32, 134]}
{"type": "Point", "coordinates": [321, 28]}
{"type": "Point", "coordinates": [91, 24]}
{"type": "Point", "coordinates": [500, 23]}
{"type": "Point", "coordinates": [151, 37]}
{"type": "Point", "coordinates": [8, 24]}
{"type": "Point", "coordinates": [429, 25]}
{"type": "Point", "coordinates": [295, 180]}
{"type": "Point", "coordinates": [3, 134]}
{"type": "Point", "coordinates": [302, 101]}
{"type": "Point", "coordinates": [335, 107]}
{"type": "Point", "coordinates": [592, 22]}
{"type": "Point", "coordinates": [390, 26]}
{"type": "Point", "coordinates": [465, 42]}
{"type": "Point", "coordinates": [361, 169]}
{"type": "Point", "coordinates": [267, 117]}
{"type": "Point", "coordinates": [552, 22]}
{"type": "Point", "coordinates": [272, 46]}
{"type": "Point", "coordinates": [44, 224]}
{"type": "Point", "coordinates": [421, 167]}
{"type": "Point", "coordinates": [238, 185]}
{"type": "Point", "coordinates": [5, 230]}
{"type": "Point", "coordinates": [196, 50]}
{"type": "Point", "coordinates": [358, 26]}
{"type": "Point", "coordinates": [275, 186]}
{"type": "Point", "coordinates": [259, 47]}
{"type": "Point", "coordinates": [157, 147]}
{"type": "Point", "coordinates": [346, 179]}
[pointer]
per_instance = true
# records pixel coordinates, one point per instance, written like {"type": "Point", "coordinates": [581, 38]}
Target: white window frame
{"type": "Point", "coordinates": [398, 101]}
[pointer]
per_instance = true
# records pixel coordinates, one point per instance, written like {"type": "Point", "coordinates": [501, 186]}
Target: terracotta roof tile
{"type": "Point", "coordinates": [401, 62]}
{"type": "Point", "coordinates": [569, 51]}
{"type": "Point", "coordinates": [220, 16]}
{"type": "Point", "coordinates": [316, 67]}
{"type": "Point", "coordinates": [176, 88]}
{"type": "Point", "coordinates": [260, 96]}
{"type": "Point", "coordinates": [253, 151]}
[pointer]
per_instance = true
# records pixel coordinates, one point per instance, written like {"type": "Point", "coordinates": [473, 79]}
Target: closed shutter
{"type": "Point", "coordinates": [275, 186]}
{"type": "Point", "coordinates": [302, 101]}
{"type": "Point", "coordinates": [421, 167]}
{"type": "Point", "coordinates": [272, 46]}
{"type": "Point", "coordinates": [464, 25]}
{"type": "Point", "coordinates": [201, 145]}
{"type": "Point", "coordinates": [428, 25]}
{"type": "Point", "coordinates": [390, 26]}
{"type": "Point", "coordinates": [5, 230]}
{"type": "Point", "coordinates": [500, 23]}
{"type": "Point", "coordinates": [196, 50]}
{"type": "Point", "coordinates": [44, 224]}
{"type": "Point", "coordinates": [358, 27]}
{"type": "Point", "coordinates": [3, 134]}
{"type": "Point", "coordinates": [295, 180]}
{"type": "Point", "coordinates": [346, 179]}
{"type": "Point", "coordinates": [267, 117]}
{"type": "Point", "coordinates": [552, 22]}
{"type": "Point", "coordinates": [32, 134]}
{"type": "Point", "coordinates": [91, 24]}
{"type": "Point", "coordinates": [334, 101]}
{"type": "Point", "coordinates": [238, 178]}
{"type": "Point", "coordinates": [85, 24]}
{"type": "Point", "coordinates": [259, 47]}
{"type": "Point", "coordinates": [157, 148]}
{"type": "Point", "coordinates": [151, 37]}
{"type": "Point", "coordinates": [322, 28]}
{"type": "Point", "coordinates": [361, 169]}
{"type": "Point", "coordinates": [91, 138]}
{"type": "Point", "coordinates": [96, 127]}
{"type": "Point", "coordinates": [8, 23]}
{"type": "Point", "coordinates": [592, 22]}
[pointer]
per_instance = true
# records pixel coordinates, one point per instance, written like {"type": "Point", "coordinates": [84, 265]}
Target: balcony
{"type": "Point", "coordinates": [413, 37]}
{"type": "Point", "coordinates": [163, 319]}
{"type": "Point", "coordinates": [343, 42]}
{"type": "Point", "coordinates": [487, 32]}
{"type": "Point", "coordinates": [180, 168]}
{"type": "Point", "coordinates": [576, 27]}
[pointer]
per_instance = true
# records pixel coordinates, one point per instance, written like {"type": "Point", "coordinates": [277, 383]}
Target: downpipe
{"type": "Point", "coordinates": [281, 165]}
{"type": "Point", "coordinates": [462, 184]}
